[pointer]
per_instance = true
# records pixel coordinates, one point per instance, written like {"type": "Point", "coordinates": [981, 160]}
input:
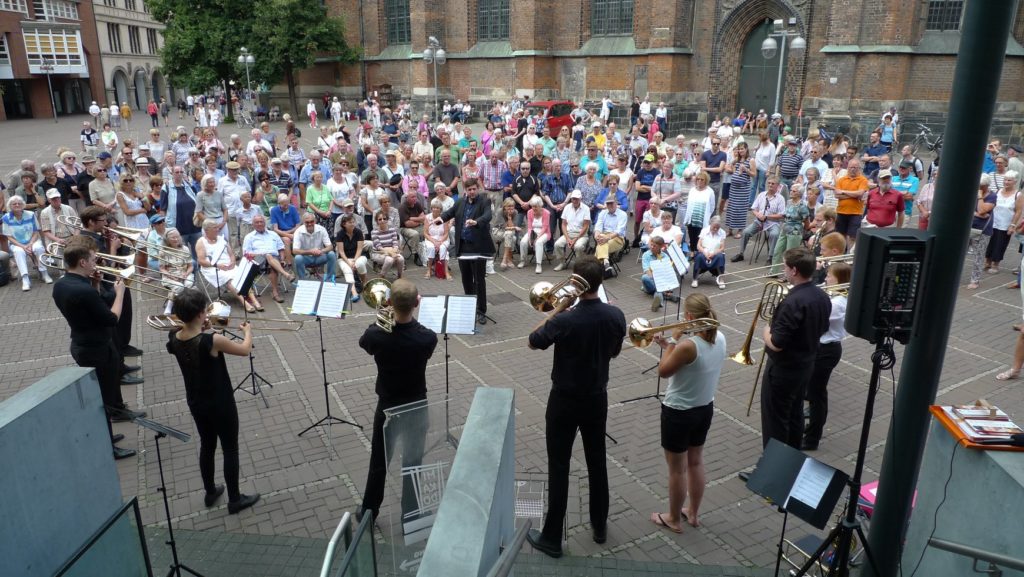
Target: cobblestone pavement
{"type": "Point", "coordinates": [307, 483]}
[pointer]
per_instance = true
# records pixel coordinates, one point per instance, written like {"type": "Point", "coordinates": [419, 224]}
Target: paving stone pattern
{"type": "Point", "coordinates": [308, 482]}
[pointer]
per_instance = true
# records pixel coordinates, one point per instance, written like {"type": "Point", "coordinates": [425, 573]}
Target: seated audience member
{"type": "Point", "coordinates": [537, 222]}
{"type": "Point", "coordinates": [710, 253]}
{"type": "Point", "coordinates": [349, 243]}
{"type": "Point", "coordinates": [177, 271]}
{"type": "Point", "coordinates": [412, 216]}
{"type": "Point", "coordinates": [386, 251]}
{"type": "Point", "coordinates": [312, 247]}
{"type": "Point", "coordinates": [655, 252]}
{"type": "Point", "coordinates": [575, 225]}
{"type": "Point", "coordinates": [436, 242]}
{"type": "Point", "coordinates": [285, 220]}
{"type": "Point", "coordinates": [264, 247]}
{"type": "Point", "coordinates": [610, 232]}
{"type": "Point", "coordinates": [668, 230]}
{"type": "Point", "coordinates": [505, 231]}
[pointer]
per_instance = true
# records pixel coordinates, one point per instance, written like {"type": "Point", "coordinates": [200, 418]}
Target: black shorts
{"type": "Point", "coordinates": [848, 224]}
{"type": "Point", "coordinates": [681, 430]}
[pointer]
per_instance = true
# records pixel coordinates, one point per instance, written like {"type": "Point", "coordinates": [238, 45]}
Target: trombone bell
{"type": "Point", "coordinates": [641, 334]}
{"type": "Point", "coordinates": [545, 296]}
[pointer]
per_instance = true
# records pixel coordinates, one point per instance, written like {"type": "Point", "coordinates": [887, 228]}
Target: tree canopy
{"type": "Point", "coordinates": [202, 40]}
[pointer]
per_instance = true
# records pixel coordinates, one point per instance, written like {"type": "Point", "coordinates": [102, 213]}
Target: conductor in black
{"type": "Point", "coordinates": [472, 237]}
{"type": "Point", "coordinates": [792, 345]}
{"type": "Point", "coordinates": [585, 338]}
{"type": "Point", "coordinates": [401, 356]}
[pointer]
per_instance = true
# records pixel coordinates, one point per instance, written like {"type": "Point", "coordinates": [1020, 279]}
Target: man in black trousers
{"type": "Point", "coordinates": [585, 338]}
{"type": "Point", "coordinates": [93, 321]}
{"type": "Point", "coordinates": [472, 237]}
{"type": "Point", "coordinates": [401, 356]}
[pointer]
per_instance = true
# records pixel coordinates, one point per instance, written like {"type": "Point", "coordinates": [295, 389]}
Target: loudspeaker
{"type": "Point", "coordinates": [888, 271]}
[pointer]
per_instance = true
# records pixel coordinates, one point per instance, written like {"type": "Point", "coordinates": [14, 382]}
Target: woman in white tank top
{"type": "Point", "coordinates": [692, 366]}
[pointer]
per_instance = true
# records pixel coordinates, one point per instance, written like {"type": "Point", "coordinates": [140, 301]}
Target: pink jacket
{"type": "Point", "coordinates": [528, 221]}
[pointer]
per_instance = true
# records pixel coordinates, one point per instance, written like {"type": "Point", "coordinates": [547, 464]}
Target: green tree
{"type": "Point", "coordinates": [201, 40]}
{"type": "Point", "coordinates": [290, 37]}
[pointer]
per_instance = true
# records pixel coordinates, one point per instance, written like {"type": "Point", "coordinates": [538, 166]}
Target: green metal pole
{"type": "Point", "coordinates": [983, 38]}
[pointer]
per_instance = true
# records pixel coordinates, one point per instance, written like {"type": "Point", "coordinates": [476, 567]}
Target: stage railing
{"type": "Point", "coordinates": [118, 548]}
{"type": "Point", "coordinates": [995, 560]}
{"type": "Point", "coordinates": [361, 557]}
{"type": "Point", "coordinates": [342, 535]}
{"type": "Point", "coordinates": [503, 566]}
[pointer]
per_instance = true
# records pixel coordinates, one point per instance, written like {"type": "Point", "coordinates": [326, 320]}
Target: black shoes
{"type": "Point", "coordinates": [211, 498]}
{"type": "Point", "coordinates": [243, 502]}
{"type": "Point", "coordinates": [125, 369]}
{"type": "Point", "coordinates": [123, 415]}
{"type": "Point", "coordinates": [636, 243]}
{"type": "Point", "coordinates": [120, 453]}
{"type": "Point", "coordinates": [416, 259]}
{"type": "Point", "coordinates": [482, 319]}
{"type": "Point", "coordinates": [600, 535]}
{"type": "Point", "coordinates": [808, 445]}
{"type": "Point", "coordinates": [737, 258]}
{"type": "Point", "coordinates": [132, 380]}
{"type": "Point", "coordinates": [117, 438]}
{"type": "Point", "coordinates": [131, 351]}
{"type": "Point", "coordinates": [537, 540]}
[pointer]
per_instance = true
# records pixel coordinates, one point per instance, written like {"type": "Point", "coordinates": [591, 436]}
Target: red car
{"type": "Point", "coordinates": [555, 114]}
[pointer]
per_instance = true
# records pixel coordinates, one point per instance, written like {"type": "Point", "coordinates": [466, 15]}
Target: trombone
{"type": "Point", "coordinates": [219, 318]}
{"type": "Point", "coordinates": [545, 296]}
{"type": "Point", "coordinates": [641, 334]}
{"type": "Point", "coordinates": [130, 273]}
{"type": "Point", "coordinates": [760, 273]}
{"type": "Point", "coordinates": [377, 294]}
{"type": "Point", "coordinates": [132, 236]}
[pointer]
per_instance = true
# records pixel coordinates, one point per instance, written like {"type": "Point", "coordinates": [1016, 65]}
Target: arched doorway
{"type": "Point", "coordinates": [120, 87]}
{"type": "Point", "coordinates": [759, 78]}
{"type": "Point", "coordinates": [140, 89]}
{"type": "Point", "coordinates": [159, 86]}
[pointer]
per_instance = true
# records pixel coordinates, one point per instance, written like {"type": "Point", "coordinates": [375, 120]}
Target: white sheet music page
{"type": "Point", "coordinates": [304, 302]}
{"type": "Point", "coordinates": [461, 315]}
{"type": "Point", "coordinates": [811, 483]}
{"type": "Point", "coordinates": [679, 260]}
{"type": "Point", "coordinates": [240, 271]}
{"type": "Point", "coordinates": [665, 278]}
{"type": "Point", "coordinates": [332, 300]}
{"type": "Point", "coordinates": [431, 313]}
{"type": "Point", "coordinates": [600, 294]}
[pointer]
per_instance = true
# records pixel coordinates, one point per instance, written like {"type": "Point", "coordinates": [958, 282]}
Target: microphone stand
{"type": "Point", "coordinates": [255, 377]}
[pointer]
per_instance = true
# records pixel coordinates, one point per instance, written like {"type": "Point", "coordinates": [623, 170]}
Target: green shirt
{"type": "Point", "coordinates": [319, 197]}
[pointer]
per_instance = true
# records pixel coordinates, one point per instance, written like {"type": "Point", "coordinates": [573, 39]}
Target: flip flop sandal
{"type": "Point", "coordinates": [1008, 375]}
{"type": "Point", "coordinates": [658, 520]}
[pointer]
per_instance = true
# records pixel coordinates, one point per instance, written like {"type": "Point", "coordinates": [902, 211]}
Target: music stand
{"type": "Point", "coordinates": [247, 274]}
{"type": "Point", "coordinates": [668, 276]}
{"type": "Point", "coordinates": [322, 299]}
{"type": "Point", "coordinates": [162, 431]}
{"type": "Point", "coordinates": [475, 257]}
{"type": "Point", "coordinates": [800, 485]}
{"type": "Point", "coordinates": [448, 314]}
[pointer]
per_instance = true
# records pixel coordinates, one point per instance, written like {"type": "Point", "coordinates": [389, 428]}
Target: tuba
{"type": "Point", "coordinates": [377, 294]}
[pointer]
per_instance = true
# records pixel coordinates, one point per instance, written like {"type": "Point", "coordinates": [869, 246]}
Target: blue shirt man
{"type": "Point", "coordinates": [907, 184]}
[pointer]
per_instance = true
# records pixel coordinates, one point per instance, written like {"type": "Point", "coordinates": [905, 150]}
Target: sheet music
{"type": "Point", "coordinates": [679, 260]}
{"type": "Point", "coordinates": [333, 298]}
{"type": "Point", "coordinates": [600, 294]}
{"type": "Point", "coordinates": [306, 294]}
{"type": "Point", "coordinates": [811, 483]}
{"type": "Point", "coordinates": [240, 271]}
{"type": "Point", "coordinates": [431, 313]}
{"type": "Point", "coordinates": [461, 315]}
{"type": "Point", "coordinates": [474, 256]}
{"type": "Point", "coordinates": [665, 278]}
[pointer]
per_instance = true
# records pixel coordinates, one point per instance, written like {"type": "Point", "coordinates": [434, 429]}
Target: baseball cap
{"type": "Point", "coordinates": [156, 219]}
{"type": "Point", "coordinates": [649, 158]}
{"type": "Point", "coordinates": [143, 147]}
{"type": "Point", "coordinates": [103, 155]}
{"type": "Point", "coordinates": [575, 194]}
{"type": "Point", "coordinates": [776, 115]}
{"type": "Point", "coordinates": [348, 202]}
{"type": "Point", "coordinates": [595, 125]}
{"type": "Point", "coordinates": [88, 159]}
{"type": "Point", "coordinates": [275, 160]}
{"type": "Point", "coordinates": [1016, 148]}
{"type": "Point", "coordinates": [789, 139]}
{"type": "Point", "coordinates": [885, 173]}
{"type": "Point", "coordinates": [906, 164]}
{"type": "Point", "coordinates": [53, 193]}
{"type": "Point", "coordinates": [142, 161]}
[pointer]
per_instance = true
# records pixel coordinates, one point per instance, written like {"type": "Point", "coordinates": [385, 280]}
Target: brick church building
{"type": "Point", "coordinates": [702, 57]}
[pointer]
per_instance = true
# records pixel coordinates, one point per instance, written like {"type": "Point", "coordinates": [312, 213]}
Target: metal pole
{"type": "Point", "coordinates": [437, 117]}
{"type": "Point", "coordinates": [979, 66]}
{"type": "Point", "coordinates": [248, 84]}
{"type": "Point", "coordinates": [49, 86]}
{"type": "Point", "coordinates": [782, 60]}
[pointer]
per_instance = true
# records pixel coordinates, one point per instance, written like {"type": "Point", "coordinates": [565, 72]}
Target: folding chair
{"type": "Point", "coordinates": [760, 244]}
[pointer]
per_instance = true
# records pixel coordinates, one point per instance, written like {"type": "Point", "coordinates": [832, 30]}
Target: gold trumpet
{"type": "Point", "coordinates": [377, 294]}
{"type": "Point", "coordinates": [545, 296]}
{"type": "Point", "coordinates": [758, 274]}
{"type": "Point", "coordinates": [641, 334]}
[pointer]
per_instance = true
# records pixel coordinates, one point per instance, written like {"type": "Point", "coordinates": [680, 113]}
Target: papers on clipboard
{"type": "Point", "coordinates": [811, 483]}
{"type": "Point", "coordinates": [665, 278]}
{"type": "Point", "coordinates": [679, 260]}
{"type": "Point", "coordinates": [320, 299]}
{"type": "Point", "coordinates": [452, 314]}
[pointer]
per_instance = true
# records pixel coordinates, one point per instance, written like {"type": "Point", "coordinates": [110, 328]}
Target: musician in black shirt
{"type": "Point", "coordinates": [401, 356]}
{"type": "Point", "coordinates": [209, 393]}
{"type": "Point", "coordinates": [585, 338]}
{"type": "Point", "coordinates": [792, 344]}
{"type": "Point", "coordinates": [93, 322]}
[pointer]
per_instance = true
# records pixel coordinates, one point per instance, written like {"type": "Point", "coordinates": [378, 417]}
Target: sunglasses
{"type": "Point", "coordinates": [128, 180]}
{"type": "Point", "coordinates": [101, 170]}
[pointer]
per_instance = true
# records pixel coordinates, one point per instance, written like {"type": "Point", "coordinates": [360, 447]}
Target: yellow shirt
{"type": "Point", "coordinates": [599, 140]}
{"type": "Point", "coordinates": [851, 184]}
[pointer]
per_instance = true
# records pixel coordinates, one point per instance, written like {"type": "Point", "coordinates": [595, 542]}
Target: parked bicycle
{"type": "Point", "coordinates": [926, 138]}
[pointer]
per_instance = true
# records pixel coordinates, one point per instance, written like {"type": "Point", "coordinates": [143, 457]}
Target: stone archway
{"type": "Point", "coordinates": [140, 98]}
{"type": "Point", "coordinates": [120, 85]}
{"type": "Point", "coordinates": [159, 86]}
{"type": "Point", "coordinates": [726, 62]}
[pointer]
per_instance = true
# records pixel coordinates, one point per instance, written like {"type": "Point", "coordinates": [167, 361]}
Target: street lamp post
{"type": "Point", "coordinates": [435, 54]}
{"type": "Point", "coordinates": [782, 30]}
{"type": "Point", "coordinates": [247, 59]}
{"type": "Point", "coordinates": [48, 69]}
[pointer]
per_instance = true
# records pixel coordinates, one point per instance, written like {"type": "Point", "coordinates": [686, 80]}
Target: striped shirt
{"type": "Point", "coordinates": [384, 238]}
{"type": "Point", "coordinates": [490, 174]}
{"type": "Point", "coordinates": [789, 165]}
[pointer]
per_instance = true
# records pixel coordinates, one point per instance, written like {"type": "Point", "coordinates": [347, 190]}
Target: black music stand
{"type": "Point", "coordinates": [256, 378]}
{"type": "Point", "coordinates": [162, 431]}
{"type": "Point", "coordinates": [447, 314]}
{"type": "Point", "coordinates": [319, 300]}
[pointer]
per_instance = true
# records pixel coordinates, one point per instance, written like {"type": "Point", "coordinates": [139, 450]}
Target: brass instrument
{"type": "Point", "coordinates": [740, 309]}
{"type": "Point", "coordinates": [128, 274]}
{"type": "Point", "coordinates": [377, 294]}
{"type": "Point", "coordinates": [641, 334]}
{"type": "Point", "coordinates": [545, 296]}
{"type": "Point", "coordinates": [760, 273]}
{"type": "Point", "coordinates": [219, 318]}
{"type": "Point", "coordinates": [132, 236]}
